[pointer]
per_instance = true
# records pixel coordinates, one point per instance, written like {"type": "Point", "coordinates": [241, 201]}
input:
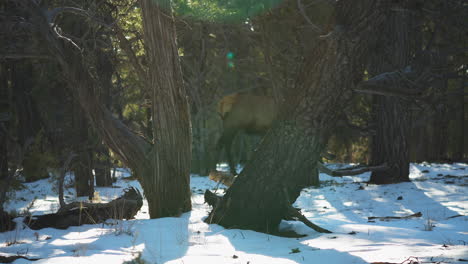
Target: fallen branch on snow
{"type": "Point", "coordinates": [384, 218]}
{"type": "Point", "coordinates": [9, 259]}
{"type": "Point", "coordinates": [351, 171]}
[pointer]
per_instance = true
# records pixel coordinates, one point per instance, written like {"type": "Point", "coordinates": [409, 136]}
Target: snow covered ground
{"type": "Point", "coordinates": [342, 205]}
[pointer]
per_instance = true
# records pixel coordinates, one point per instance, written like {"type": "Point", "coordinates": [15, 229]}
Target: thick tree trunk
{"type": "Point", "coordinates": [102, 163]}
{"type": "Point", "coordinates": [168, 187]}
{"type": "Point", "coordinates": [6, 221]}
{"type": "Point", "coordinates": [261, 195]}
{"type": "Point", "coordinates": [28, 120]}
{"type": "Point", "coordinates": [459, 151]}
{"type": "Point", "coordinates": [5, 115]}
{"type": "Point", "coordinates": [439, 125]}
{"type": "Point", "coordinates": [83, 169]}
{"type": "Point", "coordinates": [102, 168]}
{"type": "Point", "coordinates": [84, 178]}
{"type": "Point", "coordinates": [390, 144]}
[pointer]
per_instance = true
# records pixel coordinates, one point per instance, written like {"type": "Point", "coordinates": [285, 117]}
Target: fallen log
{"type": "Point", "coordinates": [384, 218]}
{"type": "Point", "coordinates": [9, 259]}
{"type": "Point", "coordinates": [350, 171]}
{"type": "Point", "coordinates": [80, 213]}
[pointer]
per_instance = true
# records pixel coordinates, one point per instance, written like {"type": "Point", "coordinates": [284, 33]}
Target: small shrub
{"type": "Point", "coordinates": [137, 260]}
{"type": "Point", "coordinates": [429, 224]}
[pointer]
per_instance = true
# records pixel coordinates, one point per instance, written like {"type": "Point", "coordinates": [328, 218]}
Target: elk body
{"type": "Point", "coordinates": [241, 112]}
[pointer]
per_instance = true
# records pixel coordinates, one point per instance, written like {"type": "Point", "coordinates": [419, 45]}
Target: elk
{"type": "Point", "coordinates": [242, 112]}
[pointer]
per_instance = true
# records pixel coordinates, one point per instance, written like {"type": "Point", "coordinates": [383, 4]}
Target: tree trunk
{"type": "Point", "coordinates": [459, 151]}
{"type": "Point", "coordinates": [261, 195]}
{"type": "Point", "coordinates": [168, 187]}
{"type": "Point", "coordinates": [28, 121]}
{"type": "Point", "coordinates": [6, 221]}
{"type": "Point", "coordinates": [102, 168]}
{"type": "Point", "coordinates": [5, 115]}
{"type": "Point", "coordinates": [83, 169]}
{"type": "Point", "coordinates": [102, 163]}
{"type": "Point", "coordinates": [390, 144]}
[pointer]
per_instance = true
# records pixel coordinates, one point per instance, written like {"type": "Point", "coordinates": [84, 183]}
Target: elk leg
{"type": "Point", "coordinates": [232, 166]}
{"type": "Point", "coordinates": [225, 141]}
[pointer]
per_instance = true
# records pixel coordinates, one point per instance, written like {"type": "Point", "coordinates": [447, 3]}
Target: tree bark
{"type": "Point", "coordinates": [5, 115]}
{"type": "Point", "coordinates": [459, 151]}
{"type": "Point", "coordinates": [168, 187]}
{"type": "Point", "coordinates": [264, 191]}
{"type": "Point", "coordinates": [102, 163]}
{"type": "Point", "coordinates": [83, 169]}
{"type": "Point", "coordinates": [28, 120]}
{"type": "Point", "coordinates": [390, 143]}
{"type": "Point", "coordinates": [6, 221]}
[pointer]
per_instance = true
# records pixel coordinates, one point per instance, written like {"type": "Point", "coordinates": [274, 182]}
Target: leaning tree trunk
{"type": "Point", "coordinates": [264, 191]}
{"type": "Point", "coordinates": [390, 143]}
{"type": "Point", "coordinates": [168, 189]}
{"type": "Point", "coordinates": [164, 166]}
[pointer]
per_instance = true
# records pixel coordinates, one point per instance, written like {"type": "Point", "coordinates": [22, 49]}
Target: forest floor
{"type": "Point", "coordinates": [342, 205]}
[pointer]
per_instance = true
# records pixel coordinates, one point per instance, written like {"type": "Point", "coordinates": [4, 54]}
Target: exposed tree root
{"type": "Point", "coordinates": [295, 214]}
{"type": "Point", "coordinates": [292, 213]}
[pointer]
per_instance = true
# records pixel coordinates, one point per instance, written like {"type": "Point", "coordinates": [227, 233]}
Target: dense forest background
{"type": "Point", "coordinates": [224, 47]}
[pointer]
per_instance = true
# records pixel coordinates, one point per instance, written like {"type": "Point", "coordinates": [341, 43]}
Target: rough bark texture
{"type": "Point", "coordinates": [459, 153]}
{"type": "Point", "coordinates": [390, 143]}
{"type": "Point", "coordinates": [261, 195]}
{"type": "Point", "coordinates": [83, 169]}
{"type": "Point", "coordinates": [27, 120]}
{"type": "Point", "coordinates": [102, 163]}
{"type": "Point", "coordinates": [6, 223]}
{"type": "Point", "coordinates": [4, 128]}
{"type": "Point", "coordinates": [167, 189]}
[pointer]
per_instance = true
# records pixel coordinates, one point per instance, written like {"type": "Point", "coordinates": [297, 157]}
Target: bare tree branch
{"type": "Point", "coordinates": [303, 13]}
{"type": "Point", "coordinates": [396, 83]}
{"type": "Point", "coordinates": [127, 47]}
